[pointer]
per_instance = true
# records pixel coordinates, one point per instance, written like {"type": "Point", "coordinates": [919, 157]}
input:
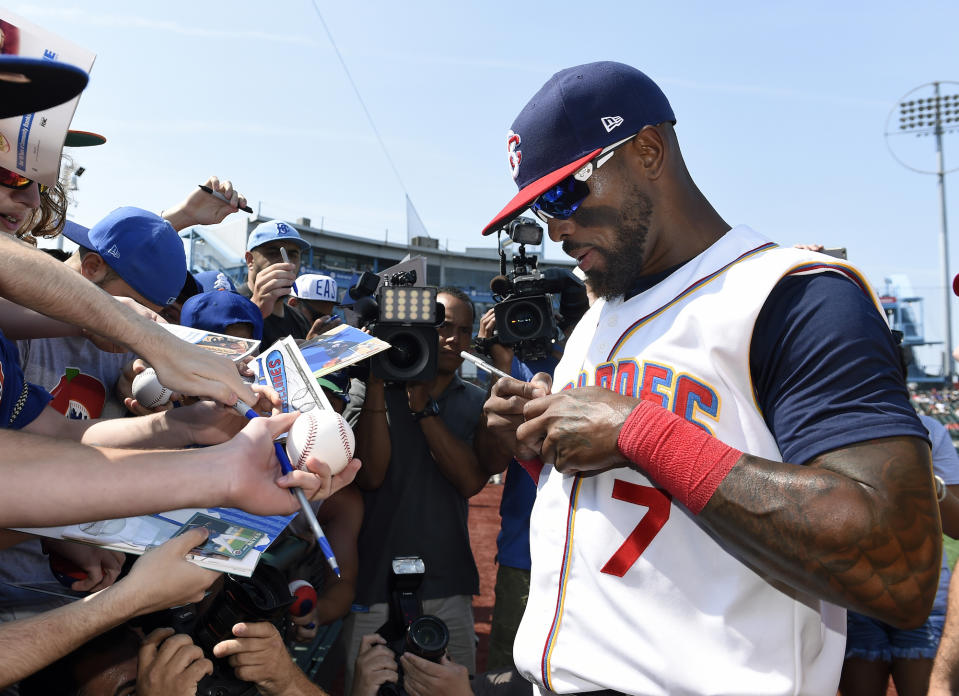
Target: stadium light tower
{"type": "Point", "coordinates": [923, 112]}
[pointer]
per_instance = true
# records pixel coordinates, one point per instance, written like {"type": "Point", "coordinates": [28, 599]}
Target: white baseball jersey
{"type": "Point", "coordinates": [627, 591]}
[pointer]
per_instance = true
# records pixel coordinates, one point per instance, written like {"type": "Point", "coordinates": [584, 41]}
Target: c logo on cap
{"type": "Point", "coordinates": [513, 153]}
{"type": "Point", "coordinates": [283, 228]}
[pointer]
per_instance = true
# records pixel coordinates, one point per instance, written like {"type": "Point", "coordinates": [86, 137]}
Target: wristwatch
{"type": "Point", "coordinates": [432, 409]}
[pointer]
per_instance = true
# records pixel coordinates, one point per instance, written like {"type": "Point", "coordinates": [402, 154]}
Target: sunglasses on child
{"type": "Point", "coordinates": [561, 200]}
{"type": "Point", "coordinates": [16, 180]}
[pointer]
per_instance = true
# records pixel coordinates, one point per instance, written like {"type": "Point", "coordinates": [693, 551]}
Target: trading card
{"type": "Point", "coordinates": [226, 539]}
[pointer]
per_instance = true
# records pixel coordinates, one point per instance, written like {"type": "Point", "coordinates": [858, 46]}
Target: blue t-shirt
{"type": "Point", "coordinates": [20, 401]}
{"type": "Point", "coordinates": [519, 492]}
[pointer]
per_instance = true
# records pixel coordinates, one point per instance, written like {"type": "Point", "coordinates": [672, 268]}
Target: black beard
{"type": "Point", "coordinates": [624, 262]}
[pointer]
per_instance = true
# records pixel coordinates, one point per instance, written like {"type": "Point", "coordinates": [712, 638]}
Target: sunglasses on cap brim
{"type": "Point", "coordinates": [16, 180]}
{"type": "Point", "coordinates": [561, 200]}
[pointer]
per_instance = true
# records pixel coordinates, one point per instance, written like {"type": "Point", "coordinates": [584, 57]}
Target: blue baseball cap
{"type": "Point", "coordinates": [143, 249]}
{"type": "Point", "coordinates": [28, 85]}
{"type": "Point", "coordinates": [273, 230]}
{"type": "Point", "coordinates": [214, 280]}
{"type": "Point", "coordinates": [577, 113]}
{"type": "Point", "coordinates": [216, 310]}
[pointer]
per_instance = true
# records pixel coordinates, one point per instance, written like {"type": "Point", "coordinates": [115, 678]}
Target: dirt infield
{"type": "Point", "coordinates": [484, 526]}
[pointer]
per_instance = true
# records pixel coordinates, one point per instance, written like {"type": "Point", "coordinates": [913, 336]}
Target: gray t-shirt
{"type": "Point", "coordinates": [81, 378]}
{"type": "Point", "coordinates": [417, 511]}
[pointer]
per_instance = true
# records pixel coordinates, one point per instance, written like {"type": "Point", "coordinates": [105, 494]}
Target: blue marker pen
{"type": "Point", "coordinates": [305, 506]}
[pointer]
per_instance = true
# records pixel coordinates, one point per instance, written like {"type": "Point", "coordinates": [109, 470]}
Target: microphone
{"type": "Point", "coordinates": [499, 285]}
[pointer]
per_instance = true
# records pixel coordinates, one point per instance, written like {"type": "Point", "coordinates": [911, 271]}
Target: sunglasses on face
{"type": "Point", "coordinates": [16, 180]}
{"type": "Point", "coordinates": [561, 200]}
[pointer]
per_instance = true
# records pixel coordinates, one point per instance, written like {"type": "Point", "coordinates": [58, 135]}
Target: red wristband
{"type": "Point", "coordinates": [681, 457]}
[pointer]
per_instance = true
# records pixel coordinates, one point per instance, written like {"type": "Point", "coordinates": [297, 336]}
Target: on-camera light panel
{"type": "Point", "coordinates": [404, 303]}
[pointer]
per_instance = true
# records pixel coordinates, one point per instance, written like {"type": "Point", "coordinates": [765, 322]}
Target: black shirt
{"type": "Point", "coordinates": [417, 511]}
{"type": "Point", "coordinates": [292, 323]}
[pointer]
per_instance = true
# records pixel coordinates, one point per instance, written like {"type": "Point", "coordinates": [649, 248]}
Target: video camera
{"type": "Point", "coordinates": [524, 312]}
{"type": "Point", "coordinates": [404, 316]}
{"type": "Point", "coordinates": [265, 596]}
{"type": "Point", "coordinates": [407, 629]}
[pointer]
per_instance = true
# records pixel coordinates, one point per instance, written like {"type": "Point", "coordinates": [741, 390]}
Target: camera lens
{"type": "Point", "coordinates": [524, 319]}
{"type": "Point", "coordinates": [409, 354]}
{"type": "Point", "coordinates": [427, 637]}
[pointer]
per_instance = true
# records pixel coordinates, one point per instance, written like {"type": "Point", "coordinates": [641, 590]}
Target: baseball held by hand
{"type": "Point", "coordinates": [323, 434]}
{"type": "Point", "coordinates": [148, 391]}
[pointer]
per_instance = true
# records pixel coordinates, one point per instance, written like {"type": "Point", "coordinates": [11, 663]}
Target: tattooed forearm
{"type": "Point", "coordinates": [858, 527]}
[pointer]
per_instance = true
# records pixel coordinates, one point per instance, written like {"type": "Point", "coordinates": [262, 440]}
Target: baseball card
{"type": "Point", "coordinates": [232, 347]}
{"type": "Point", "coordinates": [339, 348]}
{"type": "Point", "coordinates": [225, 539]}
{"type": "Point", "coordinates": [283, 368]}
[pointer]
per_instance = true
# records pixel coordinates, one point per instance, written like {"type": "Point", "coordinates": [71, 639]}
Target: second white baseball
{"type": "Point", "coordinates": [148, 391]}
{"type": "Point", "coordinates": [323, 434]}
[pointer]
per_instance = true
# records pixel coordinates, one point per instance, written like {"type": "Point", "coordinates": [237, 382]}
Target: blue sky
{"type": "Point", "coordinates": [781, 110]}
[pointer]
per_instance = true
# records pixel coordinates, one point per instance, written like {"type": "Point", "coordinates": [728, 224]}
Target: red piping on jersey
{"type": "Point", "coordinates": [564, 578]}
{"type": "Point", "coordinates": [692, 288]}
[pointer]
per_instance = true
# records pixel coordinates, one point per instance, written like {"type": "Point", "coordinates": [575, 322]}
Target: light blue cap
{"type": "Point", "coordinates": [273, 230]}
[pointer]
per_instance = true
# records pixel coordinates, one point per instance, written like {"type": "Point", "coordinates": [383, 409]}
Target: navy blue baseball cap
{"type": "Point", "coordinates": [216, 310]}
{"type": "Point", "coordinates": [28, 85]}
{"type": "Point", "coordinates": [214, 280]}
{"type": "Point", "coordinates": [271, 231]}
{"type": "Point", "coordinates": [143, 249]}
{"type": "Point", "coordinates": [577, 113]}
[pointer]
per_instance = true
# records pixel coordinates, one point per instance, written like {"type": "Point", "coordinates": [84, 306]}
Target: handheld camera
{"type": "Point", "coordinates": [525, 318]}
{"type": "Point", "coordinates": [404, 316]}
{"type": "Point", "coordinates": [265, 596]}
{"type": "Point", "coordinates": [407, 629]}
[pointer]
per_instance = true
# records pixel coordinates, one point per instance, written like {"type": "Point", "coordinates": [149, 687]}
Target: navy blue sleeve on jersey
{"type": "Point", "coordinates": [825, 368]}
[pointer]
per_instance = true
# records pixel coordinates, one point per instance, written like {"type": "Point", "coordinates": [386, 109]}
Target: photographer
{"type": "Point", "coordinates": [169, 664]}
{"type": "Point", "coordinates": [419, 469]}
{"type": "Point", "coordinates": [159, 579]}
{"type": "Point", "coordinates": [376, 665]}
{"type": "Point", "coordinates": [257, 654]}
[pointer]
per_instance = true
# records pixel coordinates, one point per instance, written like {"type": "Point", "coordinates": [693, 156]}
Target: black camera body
{"type": "Point", "coordinates": [406, 317]}
{"type": "Point", "coordinates": [265, 596]}
{"type": "Point", "coordinates": [407, 628]}
{"type": "Point", "coordinates": [525, 318]}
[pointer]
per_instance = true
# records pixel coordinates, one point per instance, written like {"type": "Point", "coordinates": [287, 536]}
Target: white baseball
{"type": "Point", "coordinates": [148, 391]}
{"type": "Point", "coordinates": [323, 434]}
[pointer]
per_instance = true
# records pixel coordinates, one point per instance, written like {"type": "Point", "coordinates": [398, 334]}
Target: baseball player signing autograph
{"type": "Point", "coordinates": [727, 457]}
